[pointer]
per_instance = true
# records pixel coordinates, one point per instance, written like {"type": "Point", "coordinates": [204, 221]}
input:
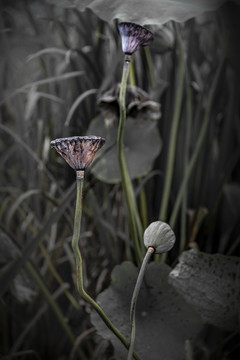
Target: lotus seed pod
{"type": "Point", "coordinates": [160, 236]}
{"type": "Point", "coordinates": [78, 151]}
{"type": "Point", "coordinates": [133, 36]}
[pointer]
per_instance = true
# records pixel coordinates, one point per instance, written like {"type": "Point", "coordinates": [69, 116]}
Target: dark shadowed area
{"type": "Point", "coordinates": [60, 68]}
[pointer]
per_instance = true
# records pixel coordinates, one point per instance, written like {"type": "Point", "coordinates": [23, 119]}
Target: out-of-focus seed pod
{"type": "Point", "coordinates": [133, 36]}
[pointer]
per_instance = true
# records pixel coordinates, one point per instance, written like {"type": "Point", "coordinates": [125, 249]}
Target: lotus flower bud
{"type": "Point", "coordinates": [78, 151]}
{"type": "Point", "coordinates": [160, 236]}
{"type": "Point", "coordinates": [133, 36]}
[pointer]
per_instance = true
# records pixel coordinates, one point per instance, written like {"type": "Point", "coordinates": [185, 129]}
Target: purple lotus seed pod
{"type": "Point", "coordinates": [133, 36]}
{"type": "Point", "coordinates": [78, 151]}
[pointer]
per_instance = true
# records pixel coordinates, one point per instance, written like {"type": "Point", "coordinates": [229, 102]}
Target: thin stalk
{"type": "Point", "coordinates": [185, 162]}
{"type": "Point", "coordinates": [173, 135]}
{"type": "Point", "coordinates": [50, 299]}
{"type": "Point", "coordinates": [198, 147]}
{"type": "Point", "coordinates": [126, 181]}
{"type": "Point", "coordinates": [30, 325]}
{"type": "Point", "coordinates": [131, 75]}
{"type": "Point", "coordinates": [198, 218]}
{"type": "Point", "coordinates": [36, 276]}
{"type": "Point", "coordinates": [15, 265]}
{"type": "Point", "coordinates": [57, 276]}
{"type": "Point", "coordinates": [143, 206]}
{"type": "Point", "coordinates": [149, 64]}
{"type": "Point", "coordinates": [79, 267]}
{"type": "Point", "coordinates": [137, 288]}
{"type": "Point", "coordinates": [234, 246]}
{"type": "Point", "coordinates": [142, 195]}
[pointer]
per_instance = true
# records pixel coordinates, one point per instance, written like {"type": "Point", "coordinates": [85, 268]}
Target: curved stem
{"type": "Point", "coordinates": [149, 252]}
{"type": "Point", "coordinates": [126, 181]}
{"type": "Point", "coordinates": [79, 267]}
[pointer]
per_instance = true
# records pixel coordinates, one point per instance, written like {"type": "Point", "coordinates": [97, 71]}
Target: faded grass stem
{"type": "Point", "coordinates": [126, 181]}
{"type": "Point", "coordinates": [198, 146]}
{"type": "Point", "coordinates": [36, 276]}
{"type": "Point", "coordinates": [143, 206]}
{"type": "Point", "coordinates": [19, 262]}
{"type": "Point", "coordinates": [149, 64]}
{"type": "Point", "coordinates": [185, 163]}
{"type": "Point", "coordinates": [56, 275]}
{"type": "Point", "coordinates": [137, 288]}
{"type": "Point", "coordinates": [173, 135]}
{"type": "Point", "coordinates": [79, 266]}
{"type": "Point", "coordinates": [50, 299]}
{"type": "Point", "coordinates": [30, 325]}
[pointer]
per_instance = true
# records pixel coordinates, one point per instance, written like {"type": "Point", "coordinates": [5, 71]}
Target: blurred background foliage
{"type": "Point", "coordinates": [59, 74]}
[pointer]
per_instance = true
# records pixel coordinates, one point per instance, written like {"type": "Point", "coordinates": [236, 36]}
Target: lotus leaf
{"type": "Point", "coordinates": [142, 145]}
{"type": "Point", "coordinates": [151, 12]}
{"type": "Point", "coordinates": [210, 283]}
{"type": "Point", "coordinates": [164, 321]}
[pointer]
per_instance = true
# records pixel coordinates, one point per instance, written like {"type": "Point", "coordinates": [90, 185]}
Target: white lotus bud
{"type": "Point", "coordinates": [160, 236]}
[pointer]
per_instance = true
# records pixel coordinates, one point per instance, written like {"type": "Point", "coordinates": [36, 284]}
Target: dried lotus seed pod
{"type": "Point", "coordinates": [78, 151]}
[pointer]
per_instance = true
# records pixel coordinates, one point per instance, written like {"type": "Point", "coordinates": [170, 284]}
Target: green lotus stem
{"type": "Point", "coordinates": [126, 181]}
{"type": "Point", "coordinates": [173, 135]}
{"type": "Point", "coordinates": [137, 288]}
{"type": "Point", "coordinates": [131, 75]}
{"type": "Point", "coordinates": [79, 267]}
{"type": "Point", "coordinates": [143, 206]}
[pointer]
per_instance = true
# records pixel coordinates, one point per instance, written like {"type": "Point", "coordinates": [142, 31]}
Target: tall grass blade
{"type": "Point", "coordinates": [43, 82]}
{"type": "Point", "coordinates": [77, 102]}
{"type": "Point", "coordinates": [174, 130]}
{"type": "Point", "coordinates": [26, 253]}
{"type": "Point", "coordinates": [197, 150]}
{"type": "Point", "coordinates": [46, 51]}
